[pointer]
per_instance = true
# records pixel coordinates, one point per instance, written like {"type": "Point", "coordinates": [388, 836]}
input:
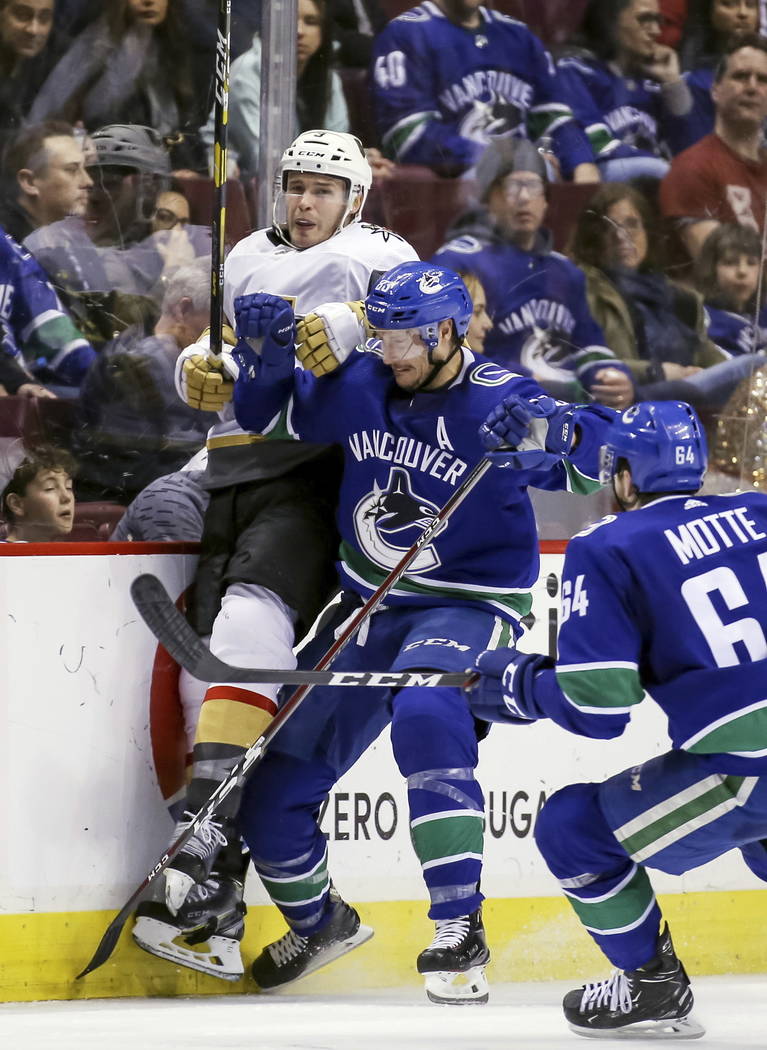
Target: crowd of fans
{"type": "Point", "coordinates": [655, 108]}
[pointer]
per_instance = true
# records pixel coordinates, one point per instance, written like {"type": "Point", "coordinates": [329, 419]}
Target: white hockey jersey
{"type": "Point", "coordinates": [340, 269]}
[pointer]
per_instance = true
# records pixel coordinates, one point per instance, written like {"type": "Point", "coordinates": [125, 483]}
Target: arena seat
{"type": "Point", "coordinates": [59, 418]}
{"type": "Point", "coordinates": [566, 201]}
{"type": "Point", "coordinates": [199, 192]}
{"type": "Point", "coordinates": [19, 418]}
{"type": "Point", "coordinates": [356, 87]}
{"type": "Point", "coordinates": [99, 517]}
{"type": "Point", "coordinates": [421, 206]}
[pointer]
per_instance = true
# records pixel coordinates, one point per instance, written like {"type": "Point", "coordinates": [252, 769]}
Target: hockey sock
{"type": "Point", "coordinates": [611, 894]}
{"type": "Point", "coordinates": [299, 888]}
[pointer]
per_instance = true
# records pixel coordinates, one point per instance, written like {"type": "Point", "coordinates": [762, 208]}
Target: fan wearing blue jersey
{"type": "Point", "coordinates": [451, 75]}
{"type": "Point", "coordinates": [405, 409]}
{"type": "Point", "coordinates": [670, 599]}
{"type": "Point", "coordinates": [542, 325]}
{"type": "Point", "coordinates": [626, 89]}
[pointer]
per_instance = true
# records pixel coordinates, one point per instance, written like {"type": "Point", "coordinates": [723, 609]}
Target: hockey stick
{"type": "Point", "coordinates": [256, 751]}
{"type": "Point", "coordinates": [187, 648]}
{"type": "Point", "coordinates": [218, 222]}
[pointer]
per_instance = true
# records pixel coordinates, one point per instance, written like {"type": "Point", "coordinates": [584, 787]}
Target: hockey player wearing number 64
{"type": "Point", "coordinates": [406, 410]}
{"type": "Point", "coordinates": [672, 599]}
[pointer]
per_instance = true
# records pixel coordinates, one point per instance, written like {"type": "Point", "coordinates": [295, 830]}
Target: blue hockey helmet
{"type": "Point", "coordinates": [663, 443]}
{"type": "Point", "coordinates": [419, 295]}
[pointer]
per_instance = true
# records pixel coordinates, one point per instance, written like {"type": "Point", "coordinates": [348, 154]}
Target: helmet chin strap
{"type": "Point", "coordinates": [437, 366]}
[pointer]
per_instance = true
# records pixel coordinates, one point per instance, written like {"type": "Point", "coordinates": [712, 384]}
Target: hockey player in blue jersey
{"type": "Point", "coordinates": [406, 412]}
{"type": "Point", "coordinates": [450, 75]}
{"type": "Point", "coordinates": [35, 331]}
{"type": "Point", "coordinates": [670, 599]}
{"type": "Point", "coordinates": [542, 325]}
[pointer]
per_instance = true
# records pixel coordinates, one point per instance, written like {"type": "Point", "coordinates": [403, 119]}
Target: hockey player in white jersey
{"type": "Point", "coordinates": [269, 540]}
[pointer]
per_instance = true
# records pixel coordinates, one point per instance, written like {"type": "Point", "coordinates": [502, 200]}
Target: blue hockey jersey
{"type": "Point", "coordinates": [537, 302]}
{"type": "Point", "coordinates": [672, 599]}
{"type": "Point", "coordinates": [622, 116]}
{"type": "Point", "coordinates": [734, 333]}
{"type": "Point", "coordinates": [34, 328]}
{"type": "Point", "coordinates": [441, 91]}
{"type": "Point", "coordinates": [404, 456]}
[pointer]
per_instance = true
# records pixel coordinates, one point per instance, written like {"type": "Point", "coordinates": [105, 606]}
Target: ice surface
{"type": "Point", "coordinates": [518, 1017]}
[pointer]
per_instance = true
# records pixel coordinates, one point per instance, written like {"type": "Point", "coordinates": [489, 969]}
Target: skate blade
{"type": "Point", "coordinates": [682, 1028]}
{"type": "Point", "coordinates": [335, 951]}
{"type": "Point", "coordinates": [448, 988]}
{"type": "Point", "coordinates": [218, 956]}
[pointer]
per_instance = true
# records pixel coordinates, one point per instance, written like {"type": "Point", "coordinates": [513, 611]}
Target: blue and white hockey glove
{"type": "Point", "coordinates": [266, 331]}
{"type": "Point", "coordinates": [528, 433]}
{"type": "Point", "coordinates": [506, 688]}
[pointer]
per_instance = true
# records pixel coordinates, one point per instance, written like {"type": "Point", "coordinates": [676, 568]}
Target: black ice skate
{"type": "Point", "coordinates": [654, 1001]}
{"type": "Point", "coordinates": [205, 935]}
{"type": "Point", "coordinates": [454, 963]}
{"type": "Point", "coordinates": [194, 862]}
{"type": "Point", "coordinates": [293, 956]}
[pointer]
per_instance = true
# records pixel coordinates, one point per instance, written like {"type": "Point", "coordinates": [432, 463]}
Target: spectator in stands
{"type": "Point", "coordinates": [35, 330]}
{"type": "Point", "coordinates": [112, 246]}
{"type": "Point", "coordinates": [536, 298]}
{"type": "Point", "coordinates": [44, 177]}
{"type": "Point", "coordinates": [171, 211]}
{"type": "Point", "coordinates": [170, 509]}
{"type": "Point", "coordinates": [135, 427]}
{"type": "Point", "coordinates": [29, 48]}
{"type": "Point", "coordinates": [37, 501]}
{"type": "Point", "coordinates": [723, 178]}
{"type": "Point", "coordinates": [712, 26]}
{"type": "Point", "coordinates": [320, 101]}
{"type": "Point", "coordinates": [655, 326]}
{"type": "Point", "coordinates": [450, 75]}
{"type": "Point", "coordinates": [480, 323]}
{"type": "Point", "coordinates": [131, 66]}
{"type": "Point", "coordinates": [727, 274]}
{"type": "Point", "coordinates": [15, 381]}
{"type": "Point", "coordinates": [355, 24]}
{"type": "Point", "coordinates": [674, 18]}
{"type": "Point", "coordinates": [626, 88]}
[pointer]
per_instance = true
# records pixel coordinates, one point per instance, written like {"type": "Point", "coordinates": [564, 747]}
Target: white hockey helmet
{"type": "Point", "coordinates": [334, 153]}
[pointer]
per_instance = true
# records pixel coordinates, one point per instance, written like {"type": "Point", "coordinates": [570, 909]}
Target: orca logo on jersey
{"type": "Point", "coordinates": [395, 512]}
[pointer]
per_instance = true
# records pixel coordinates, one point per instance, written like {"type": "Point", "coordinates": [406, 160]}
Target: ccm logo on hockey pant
{"type": "Point", "coordinates": [437, 641]}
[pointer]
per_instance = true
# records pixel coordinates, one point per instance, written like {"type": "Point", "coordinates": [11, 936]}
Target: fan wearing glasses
{"type": "Point", "coordinates": [626, 89]}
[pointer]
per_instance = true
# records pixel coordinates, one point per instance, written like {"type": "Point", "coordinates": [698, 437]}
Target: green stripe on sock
{"type": "Point", "coordinates": [623, 909]}
{"type": "Point", "coordinates": [296, 892]}
{"type": "Point", "coordinates": [448, 836]}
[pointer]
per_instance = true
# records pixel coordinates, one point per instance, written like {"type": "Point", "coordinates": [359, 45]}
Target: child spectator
{"type": "Point", "coordinates": [626, 89]}
{"type": "Point", "coordinates": [727, 275]}
{"type": "Point", "coordinates": [480, 323]}
{"type": "Point", "coordinates": [37, 501]}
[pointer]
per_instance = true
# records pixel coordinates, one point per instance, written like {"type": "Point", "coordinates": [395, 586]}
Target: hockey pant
{"type": "Point", "coordinates": [671, 813]}
{"type": "Point", "coordinates": [435, 747]}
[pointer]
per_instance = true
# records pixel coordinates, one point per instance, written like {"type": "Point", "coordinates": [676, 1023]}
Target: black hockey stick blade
{"type": "Point", "coordinates": [186, 647]}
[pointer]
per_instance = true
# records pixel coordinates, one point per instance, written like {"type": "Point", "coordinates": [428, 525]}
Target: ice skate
{"type": "Point", "coordinates": [194, 862]}
{"type": "Point", "coordinates": [294, 956]}
{"type": "Point", "coordinates": [653, 1001]}
{"type": "Point", "coordinates": [204, 935]}
{"type": "Point", "coordinates": [454, 963]}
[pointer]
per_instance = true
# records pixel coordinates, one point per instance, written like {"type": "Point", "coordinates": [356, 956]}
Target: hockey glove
{"type": "Point", "coordinates": [506, 688]}
{"type": "Point", "coordinates": [202, 381]}
{"type": "Point", "coordinates": [528, 434]}
{"type": "Point", "coordinates": [266, 330]}
{"type": "Point", "coordinates": [326, 337]}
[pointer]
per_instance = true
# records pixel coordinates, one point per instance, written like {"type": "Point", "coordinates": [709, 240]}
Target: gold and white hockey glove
{"type": "Point", "coordinates": [326, 337]}
{"type": "Point", "coordinates": [203, 382]}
